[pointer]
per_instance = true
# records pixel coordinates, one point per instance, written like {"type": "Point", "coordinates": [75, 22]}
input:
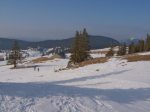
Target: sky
{"type": "Point", "coordinates": [36, 20]}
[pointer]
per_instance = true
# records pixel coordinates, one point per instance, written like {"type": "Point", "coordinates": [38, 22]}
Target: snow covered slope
{"type": "Point", "coordinates": [114, 86]}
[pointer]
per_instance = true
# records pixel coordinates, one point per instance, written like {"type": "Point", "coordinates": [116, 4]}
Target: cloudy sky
{"type": "Point", "coordinates": [36, 20]}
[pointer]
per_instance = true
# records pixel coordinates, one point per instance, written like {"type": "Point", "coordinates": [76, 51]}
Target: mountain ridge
{"type": "Point", "coordinates": [95, 42]}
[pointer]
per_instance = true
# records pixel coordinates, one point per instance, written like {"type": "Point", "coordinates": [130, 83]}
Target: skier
{"type": "Point", "coordinates": [38, 69]}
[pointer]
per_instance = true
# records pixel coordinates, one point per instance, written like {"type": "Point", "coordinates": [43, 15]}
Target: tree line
{"type": "Point", "coordinates": [140, 46]}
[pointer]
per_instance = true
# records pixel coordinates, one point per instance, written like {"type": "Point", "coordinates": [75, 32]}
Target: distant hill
{"type": "Point", "coordinates": [96, 42]}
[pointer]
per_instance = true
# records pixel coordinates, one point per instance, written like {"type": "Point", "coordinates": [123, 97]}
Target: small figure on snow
{"type": "Point", "coordinates": [38, 69]}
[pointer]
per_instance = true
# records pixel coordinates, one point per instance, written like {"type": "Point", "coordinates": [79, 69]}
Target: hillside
{"type": "Point", "coordinates": [114, 86]}
{"type": "Point", "coordinates": [95, 42]}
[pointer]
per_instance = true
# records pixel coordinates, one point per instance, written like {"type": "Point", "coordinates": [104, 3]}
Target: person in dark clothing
{"type": "Point", "coordinates": [38, 69]}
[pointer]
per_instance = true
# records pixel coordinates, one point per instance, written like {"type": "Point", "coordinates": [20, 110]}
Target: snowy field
{"type": "Point", "coordinates": [114, 86]}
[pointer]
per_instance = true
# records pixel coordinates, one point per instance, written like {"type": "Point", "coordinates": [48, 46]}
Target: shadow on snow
{"type": "Point", "coordinates": [89, 77]}
{"type": "Point", "coordinates": [39, 90]}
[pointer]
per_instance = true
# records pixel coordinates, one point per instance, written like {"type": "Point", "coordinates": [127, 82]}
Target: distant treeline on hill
{"type": "Point", "coordinates": [96, 42]}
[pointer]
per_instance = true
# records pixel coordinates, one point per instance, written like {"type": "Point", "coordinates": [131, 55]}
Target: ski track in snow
{"type": "Point", "coordinates": [118, 86]}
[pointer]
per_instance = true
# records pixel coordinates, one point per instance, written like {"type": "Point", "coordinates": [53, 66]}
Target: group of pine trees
{"type": "Point", "coordinates": [140, 46]}
{"type": "Point", "coordinates": [80, 48]}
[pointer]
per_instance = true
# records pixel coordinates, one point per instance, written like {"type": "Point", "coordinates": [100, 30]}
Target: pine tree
{"type": "Point", "coordinates": [86, 40]}
{"type": "Point", "coordinates": [80, 48]}
{"type": "Point", "coordinates": [122, 49]}
{"type": "Point", "coordinates": [15, 54]}
{"type": "Point", "coordinates": [137, 48]}
{"type": "Point", "coordinates": [84, 45]}
{"type": "Point", "coordinates": [131, 48]}
{"type": "Point", "coordinates": [148, 43]}
{"type": "Point", "coordinates": [141, 45]}
{"type": "Point", "coordinates": [74, 50]}
{"type": "Point", "coordinates": [110, 52]}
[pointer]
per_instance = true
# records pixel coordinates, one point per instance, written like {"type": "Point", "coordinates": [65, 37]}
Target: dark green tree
{"type": "Point", "coordinates": [122, 49]}
{"type": "Point", "coordinates": [147, 44]}
{"type": "Point", "coordinates": [141, 45]}
{"type": "Point", "coordinates": [110, 52]}
{"type": "Point", "coordinates": [80, 48]}
{"type": "Point", "coordinates": [86, 40]}
{"type": "Point", "coordinates": [15, 54]}
{"type": "Point", "coordinates": [74, 50]}
{"type": "Point", "coordinates": [131, 48]}
{"type": "Point", "coordinates": [137, 48]}
{"type": "Point", "coordinates": [84, 45]}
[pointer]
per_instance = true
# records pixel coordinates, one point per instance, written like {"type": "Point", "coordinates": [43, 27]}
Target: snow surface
{"type": "Point", "coordinates": [34, 53]}
{"type": "Point", "coordinates": [144, 53]}
{"type": "Point", "coordinates": [3, 55]}
{"type": "Point", "coordinates": [114, 86]}
{"type": "Point", "coordinates": [2, 63]}
{"type": "Point", "coordinates": [97, 55]}
{"type": "Point", "coordinates": [104, 49]}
